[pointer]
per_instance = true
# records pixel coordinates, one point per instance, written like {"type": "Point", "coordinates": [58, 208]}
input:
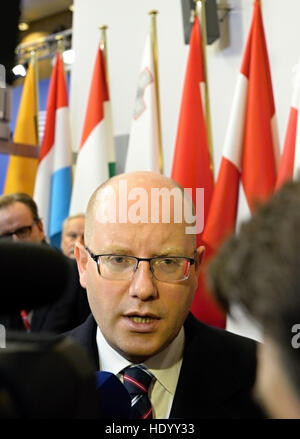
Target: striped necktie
{"type": "Point", "coordinates": [137, 380]}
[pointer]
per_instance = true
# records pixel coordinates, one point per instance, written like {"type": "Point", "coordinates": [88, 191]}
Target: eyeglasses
{"type": "Point", "coordinates": [123, 267]}
{"type": "Point", "coordinates": [21, 233]}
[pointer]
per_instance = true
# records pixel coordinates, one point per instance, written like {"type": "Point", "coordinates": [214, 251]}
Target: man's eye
{"type": "Point", "coordinates": [169, 261]}
{"type": "Point", "coordinates": [118, 260]}
{"type": "Point", "coordinates": [72, 235]}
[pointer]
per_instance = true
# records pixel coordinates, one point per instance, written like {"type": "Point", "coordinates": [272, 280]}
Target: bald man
{"type": "Point", "coordinates": [140, 266]}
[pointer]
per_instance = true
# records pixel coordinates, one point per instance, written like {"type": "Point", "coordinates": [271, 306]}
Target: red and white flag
{"type": "Point", "coordinates": [251, 150]}
{"type": "Point", "coordinates": [290, 160]}
{"type": "Point", "coordinates": [143, 146]}
{"type": "Point", "coordinates": [192, 166]}
{"type": "Point", "coordinates": [92, 167]}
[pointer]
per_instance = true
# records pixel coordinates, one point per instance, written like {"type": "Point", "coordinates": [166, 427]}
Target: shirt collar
{"type": "Point", "coordinates": [165, 365]}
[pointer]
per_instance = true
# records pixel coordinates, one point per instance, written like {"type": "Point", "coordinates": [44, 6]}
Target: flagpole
{"type": "Point", "coordinates": [60, 44]}
{"type": "Point", "coordinates": [153, 35]}
{"type": "Point", "coordinates": [111, 150]}
{"type": "Point", "coordinates": [200, 11]}
{"type": "Point", "coordinates": [36, 85]}
{"type": "Point", "coordinates": [103, 47]}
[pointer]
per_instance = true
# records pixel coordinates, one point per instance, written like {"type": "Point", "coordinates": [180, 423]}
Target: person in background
{"type": "Point", "coordinates": [73, 231]}
{"type": "Point", "coordinates": [259, 269]}
{"type": "Point", "coordinates": [20, 221]}
{"type": "Point", "coordinates": [139, 266]}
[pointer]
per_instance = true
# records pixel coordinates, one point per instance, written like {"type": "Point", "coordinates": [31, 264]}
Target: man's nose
{"type": "Point", "coordinates": [80, 238]}
{"type": "Point", "coordinates": [143, 284]}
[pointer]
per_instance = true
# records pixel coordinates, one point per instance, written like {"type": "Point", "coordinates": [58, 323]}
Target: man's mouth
{"type": "Point", "coordinates": [138, 319]}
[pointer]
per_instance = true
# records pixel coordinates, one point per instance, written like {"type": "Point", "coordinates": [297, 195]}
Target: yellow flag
{"type": "Point", "coordinates": [21, 171]}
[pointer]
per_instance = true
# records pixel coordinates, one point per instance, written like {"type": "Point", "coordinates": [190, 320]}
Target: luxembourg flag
{"type": "Point", "coordinates": [92, 165]}
{"type": "Point", "coordinates": [53, 182]}
{"type": "Point", "coordinates": [290, 160]}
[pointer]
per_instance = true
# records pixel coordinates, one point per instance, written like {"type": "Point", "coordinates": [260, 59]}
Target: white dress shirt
{"type": "Point", "coordinates": [165, 366]}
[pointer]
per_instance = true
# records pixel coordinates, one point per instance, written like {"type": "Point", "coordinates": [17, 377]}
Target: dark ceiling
{"type": "Point", "coordinates": [41, 15]}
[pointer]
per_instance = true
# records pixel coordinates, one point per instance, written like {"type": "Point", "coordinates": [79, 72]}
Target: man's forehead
{"type": "Point", "coordinates": [15, 210]}
{"type": "Point", "coordinates": [141, 203]}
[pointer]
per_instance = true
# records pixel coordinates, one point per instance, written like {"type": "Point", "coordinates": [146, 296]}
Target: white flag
{"type": "Point", "coordinates": [143, 147]}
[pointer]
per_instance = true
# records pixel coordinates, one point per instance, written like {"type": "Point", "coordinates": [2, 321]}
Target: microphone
{"type": "Point", "coordinates": [32, 275]}
{"type": "Point", "coordinates": [115, 401]}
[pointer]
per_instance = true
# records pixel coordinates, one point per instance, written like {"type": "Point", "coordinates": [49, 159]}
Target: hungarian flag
{"type": "Point", "coordinates": [290, 160]}
{"type": "Point", "coordinates": [192, 165]}
{"type": "Point", "coordinates": [92, 165]}
{"type": "Point", "coordinates": [250, 154]}
{"type": "Point", "coordinates": [53, 182]}
{"type": "Point", "coordinates": [21, 171]}
{"type": "Point", "coordinates": [143, 147]}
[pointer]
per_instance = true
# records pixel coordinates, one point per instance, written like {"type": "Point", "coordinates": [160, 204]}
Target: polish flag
{"type": "Point", "coordinates": [53, 183]}
{"type": "Point", "coordinates": [290, 160]}
{"type": "Point", "coordinates": [92, 166]}
{"type": "Point", "coordinates": [251, 152]}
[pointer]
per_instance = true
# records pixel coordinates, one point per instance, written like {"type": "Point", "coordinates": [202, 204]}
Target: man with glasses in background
{"type": "Point", "coordinates": [139, 266]}
{"type": "Point", "coordinates": [20, 221]}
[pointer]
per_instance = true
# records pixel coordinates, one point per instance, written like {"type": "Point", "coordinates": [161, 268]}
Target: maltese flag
{"type": "Point", "coordinates": [143, 147]}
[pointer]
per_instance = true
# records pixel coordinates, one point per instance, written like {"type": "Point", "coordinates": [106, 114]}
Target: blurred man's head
{"type": "Point", "coordinates": [259, 269]}
{"type": "Point", "coordinates": [73, 231]}
{"type": "Point", "coordinates": [19, 219]}
{"type": "Point", "coordinates": [139, 304]}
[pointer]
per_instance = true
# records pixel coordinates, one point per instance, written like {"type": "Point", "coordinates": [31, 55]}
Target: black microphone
{"type": "Point", "coordinates": [114, 399]}
{"type": "Point", "coordinates": [31, 275]}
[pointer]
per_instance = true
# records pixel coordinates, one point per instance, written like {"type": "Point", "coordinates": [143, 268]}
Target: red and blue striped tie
{"type": "Point", "coordinates": [137, 380]}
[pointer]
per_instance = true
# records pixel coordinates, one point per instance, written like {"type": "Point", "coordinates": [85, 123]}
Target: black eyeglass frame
{"type": "Point", "coordinates": [138, 260]}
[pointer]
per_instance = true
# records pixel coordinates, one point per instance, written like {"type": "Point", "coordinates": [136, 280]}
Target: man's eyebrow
{"type": "Point", "coordinates": [170, 251]}
{"type": "Point", "coordinates": [115, 250]}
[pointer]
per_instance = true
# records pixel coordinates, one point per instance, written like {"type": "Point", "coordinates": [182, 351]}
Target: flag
{"type": "Point", "coordinates": [290, 160]}
{"type": "Point", "coordinates": [92, 166]}
{"type": "Point", "coordinates": [250, 154]}
{"type": "Point", "coordinates": [192, 164]}
{"type": "Point", "coordinates": [53, 182]}
{"type": "Point", "coordinates": [143, 148]}
{"type": "Point", "coordinates": [21, 171]}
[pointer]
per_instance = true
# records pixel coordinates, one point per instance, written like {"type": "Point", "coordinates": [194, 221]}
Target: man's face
{"type": "Point", "coordinates": [18, 218]}
{"type": "Point", "coordinates": [73, 232]}
{"type": "Point", "coordinates": [141, 316]}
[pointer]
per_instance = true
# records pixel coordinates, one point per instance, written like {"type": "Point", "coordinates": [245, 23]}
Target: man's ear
{"type": "Point", "coordinates": [81, 259]}
{"type": "Point", "coordinates": [198, 258]}
{"type": "Point", "coordinates": [40, 226]}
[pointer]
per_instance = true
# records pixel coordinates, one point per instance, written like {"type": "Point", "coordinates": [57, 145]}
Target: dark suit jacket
{"type": "Point", "coordinates": [65, 313]}
{"type": "Point", "coordinates": [217, 373]}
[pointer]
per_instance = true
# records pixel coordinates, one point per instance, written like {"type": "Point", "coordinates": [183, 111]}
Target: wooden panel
{"type": "Point", "coordinates": [19, 149]}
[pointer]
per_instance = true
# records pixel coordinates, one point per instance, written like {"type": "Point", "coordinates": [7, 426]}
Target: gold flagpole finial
{"type": "Point", "coordinates": [153, 13]}
{"type": "Point", "coordinates": [60, 43]}
{"type": "Point", "coordinates": [103, 47]}
{"type": "Point", "coordinates": [201, 13]}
